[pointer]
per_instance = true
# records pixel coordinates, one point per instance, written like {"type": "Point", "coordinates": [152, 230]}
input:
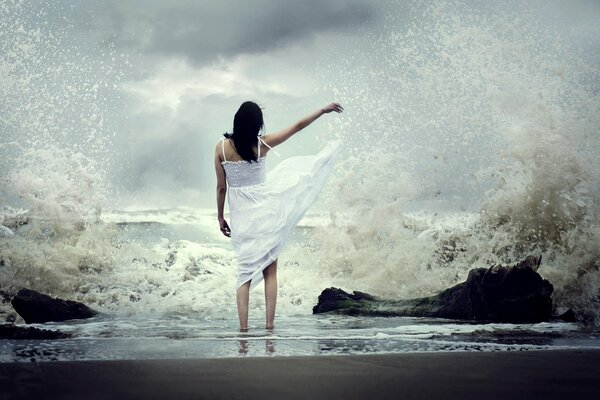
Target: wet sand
{"type": "Point", "coordinates": [557, 374]}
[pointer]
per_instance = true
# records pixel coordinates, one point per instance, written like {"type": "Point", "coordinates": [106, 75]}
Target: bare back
{"type": "Point", "coordinates": [230, 154]}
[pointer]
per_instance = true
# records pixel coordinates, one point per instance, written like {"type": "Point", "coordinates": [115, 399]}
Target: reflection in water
{"type": "Point", "coordinates": [243, 346]}
{"type": "Point", "coordinates": [270, 346]}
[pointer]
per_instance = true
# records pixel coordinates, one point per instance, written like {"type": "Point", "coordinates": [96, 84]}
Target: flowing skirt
{"type": "Point", "coordinates": [262, 216]}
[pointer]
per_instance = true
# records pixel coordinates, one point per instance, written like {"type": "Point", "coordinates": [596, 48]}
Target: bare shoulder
{"type": "Point", "coordinates": [267, 139]}
{"type": "Point", "coordinates": [219, 149]}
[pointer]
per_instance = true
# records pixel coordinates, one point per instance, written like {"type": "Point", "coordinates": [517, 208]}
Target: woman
{"type": "Point", "coordinates": [263, 209]}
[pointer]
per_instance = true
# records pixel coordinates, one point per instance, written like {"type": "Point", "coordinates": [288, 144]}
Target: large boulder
{"type": "Point", "coordinates": [36, 307]}
{"type": "Point", "coordinates": [499, 293]}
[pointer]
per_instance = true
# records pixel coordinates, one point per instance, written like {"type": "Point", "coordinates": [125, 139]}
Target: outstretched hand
{"type": "Point", "coordinates": [224, 228]}
{"type": "Point", "coordinates": [333, 107]}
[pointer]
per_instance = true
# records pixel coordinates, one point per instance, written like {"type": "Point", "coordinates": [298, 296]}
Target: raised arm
{"type": "Point", "coordinates": [221, 192]}
{"type": "Point", "coordinates": [274, 139]}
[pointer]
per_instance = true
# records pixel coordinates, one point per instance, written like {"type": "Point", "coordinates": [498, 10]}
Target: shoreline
{"type": "Point", "coordinates": [548, 374]}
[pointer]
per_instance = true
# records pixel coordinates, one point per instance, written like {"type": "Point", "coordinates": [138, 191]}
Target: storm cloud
{"type": "Point", "coordinates": [190, 65]}
{"type": "Point", "coordinates": [202, 31]}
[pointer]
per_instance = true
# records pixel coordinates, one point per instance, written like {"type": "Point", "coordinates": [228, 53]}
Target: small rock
{"type": "Point", "coordinates": [14, 332]}
{"type": "Point", "coordinates": [568, 316]}
{"type": "Point", "coordinates": [36, 307]}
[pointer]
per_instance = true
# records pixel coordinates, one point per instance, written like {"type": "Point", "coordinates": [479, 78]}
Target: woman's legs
{"type": "Point", "coordinates": [243, 295]}
{"type": "Point", "coordinates": [270, 276]}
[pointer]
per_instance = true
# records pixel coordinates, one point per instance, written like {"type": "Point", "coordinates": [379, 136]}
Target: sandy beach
{"type": "Point", "coordinates": [558, 374]}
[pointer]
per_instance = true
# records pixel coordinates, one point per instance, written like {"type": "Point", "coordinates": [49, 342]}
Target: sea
{"type": "Point", "coordinates": [172, 295]}
{"type": "Point", "coordinates": [471, 136]}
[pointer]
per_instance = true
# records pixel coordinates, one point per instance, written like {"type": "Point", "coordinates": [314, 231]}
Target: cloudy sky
{"type": "Point", "coordinates": [171, 74]}
{"type": "Point", "coordinates": [190, 65]}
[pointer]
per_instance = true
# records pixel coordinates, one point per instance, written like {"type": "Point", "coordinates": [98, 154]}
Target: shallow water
{"type": "Point", "coordinates": [150, 337]}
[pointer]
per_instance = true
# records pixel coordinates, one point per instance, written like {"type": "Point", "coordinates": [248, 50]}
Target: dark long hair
{"type": "Point", "coordinates": [247, 123]}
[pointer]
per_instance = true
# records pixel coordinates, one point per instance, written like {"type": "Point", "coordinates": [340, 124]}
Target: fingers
{"type": "Point", "coordinates": [337, 107]}
{"type": "Point", "coordinates": [225, 230]}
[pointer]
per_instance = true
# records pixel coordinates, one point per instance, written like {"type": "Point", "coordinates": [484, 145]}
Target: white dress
{"type": "Point", "coordinates": [264, 208]}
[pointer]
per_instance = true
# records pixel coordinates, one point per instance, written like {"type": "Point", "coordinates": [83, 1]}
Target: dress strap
{"type": "Point", "coordinates": [265, 143]}
{"type": "Point", "coordinates": [223, 148]}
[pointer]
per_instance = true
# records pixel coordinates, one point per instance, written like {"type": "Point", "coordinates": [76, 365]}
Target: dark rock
{"type": "Point", "coordinates": [499, 293]}
{"type": "Point", "coordinates": [333, 299]}
{"type": "Point", "coordinates": [35, 307]}
{"type": "Point", "coordinates": [10, 331]}
{"type": "Point", "coordinates": [568, 316]}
